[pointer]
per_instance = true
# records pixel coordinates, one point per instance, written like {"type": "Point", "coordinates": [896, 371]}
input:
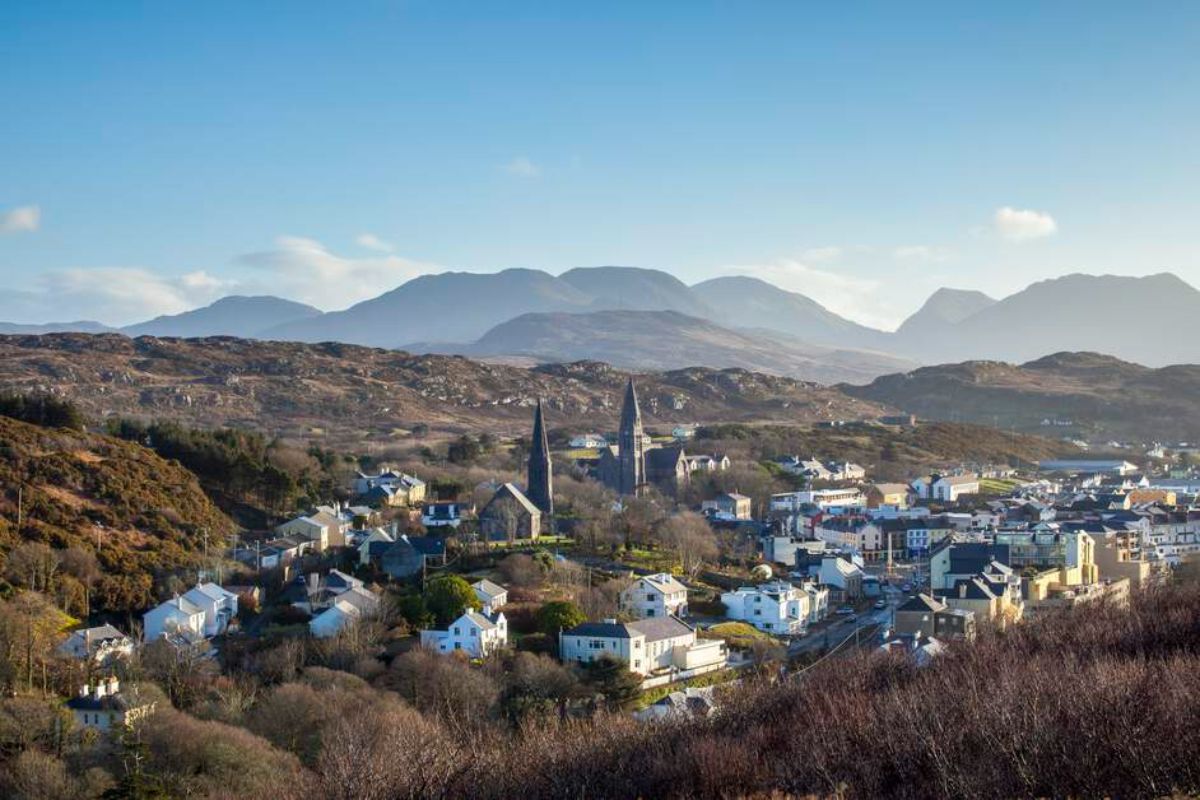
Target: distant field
{"type": "Point", "coordinates": [578, 453]}
{"type": "Point", "coordinates": [998, 485]}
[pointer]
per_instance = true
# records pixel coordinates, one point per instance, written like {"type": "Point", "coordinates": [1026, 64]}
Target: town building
{"type": "Point", "coordinates": [99, 646]}
{"type": "Point", "coordinates": [510, 515]}
{"type": "Point", "coordinates": [659, 595]}
{"type": "Point", "coordinates": [104, 707]}
{"type": "Point", "coordinates": [474, 634]}
{"type": "Point", "coordinates": [660, 649]}
{"type": "Point", "coordinates": [777, 608]}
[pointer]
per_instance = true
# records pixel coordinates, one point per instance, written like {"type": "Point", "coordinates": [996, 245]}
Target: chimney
{"type": "Point", "coordinates": [84, 690]}
{"type": "Point", "coordinates": [610, 620]}
{"type": "Point", "coordinates": [99, 690]}
{"type": "Point", "coordinates": [114, 685]}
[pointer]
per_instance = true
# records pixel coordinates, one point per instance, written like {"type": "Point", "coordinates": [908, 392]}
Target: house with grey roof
{"type": "Point", "coordinates": [658, 595]}
{"type": "Point", "coordinates": [475, 634]}
{"type": "Point", "coordinates": [104, 707]}
{"type": "Point", "coordinates": [100, 645]}
{"type": "Point", "coordinates": [491, 595]}
{"type": "Point", "coordinates": [660, 649]}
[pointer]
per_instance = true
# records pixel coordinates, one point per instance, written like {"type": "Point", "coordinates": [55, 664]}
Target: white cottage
{"type": "Point", "coordinates": [473, 633]}
{"type": "Point", "coordinates": [659, 595]}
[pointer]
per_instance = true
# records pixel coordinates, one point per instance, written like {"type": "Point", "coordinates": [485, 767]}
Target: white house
{"type": "Point", "coordinates": [841, 575]}
{"type": "Point", "coordinates": [658, 595]}
{"type": "Point", "coordinates": [659, 648]}
{"type": "Point", "coordinates": [588, 441]}
{"type": "Point", "coordinates": [218, 605]}
{"type": "Point", "coordinates": [104, 706]}
{"type": "Point", "coordinates": [949, 488]}
{"type": "Point", "coordinates": [818, 602]}
{"type": "Point", "coordinates": [348, 607]}
{"type": "Point", "coordinates": [100, 645]}
{"type": "Point", "coordinates": [777, 607]}
{"type": "Point", "coordinates": [845, 471]}
{"type": "Point", "coordinates": [177, 615]}
{"type": "Point", "coordinates": [473, 633]}
{"type": "Point", "coordinates": [946, 488]}
{"type": "Point", "coordinates": [492, 596]}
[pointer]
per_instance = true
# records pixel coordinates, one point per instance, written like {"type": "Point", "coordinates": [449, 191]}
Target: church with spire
{"type": "Point", "coordinates": [635, 464]}
{"type": "Point", "coordinates": [540, 477]}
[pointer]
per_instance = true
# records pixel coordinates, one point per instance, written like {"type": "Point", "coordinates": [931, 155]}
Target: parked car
{"type": "Point", "coordinates": [845, 610]}
{"type": "Point", "coordinates": [906, 587]}
{"type": "Point", "coordinates": [880, 604]}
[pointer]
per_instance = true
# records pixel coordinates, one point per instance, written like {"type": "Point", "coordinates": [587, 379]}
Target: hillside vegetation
{"type": "Point", "coordinates": [126, 516]}
{"type": "Point", "coordinates": [1100, 396]}
{"type": "Point", "coordinates": [347, 393]}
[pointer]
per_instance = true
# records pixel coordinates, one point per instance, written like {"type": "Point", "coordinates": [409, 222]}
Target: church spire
{"type": "Point", "coordinates": [631, 441]}
{"type": "Point", "coordinates": [540, 484]}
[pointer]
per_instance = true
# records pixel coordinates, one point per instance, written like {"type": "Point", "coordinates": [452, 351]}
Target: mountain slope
{"type": "Point", "coordinates": [745, 302]}
{"type": "Point", "coordinates": [1153, 320]}
{"type": "Point", "coordinates": [636, 289]}
{"type": "Point", "coordinates": [1101, 397]}
{"type": "Point", "coordinates": [452, 306]}
{"type": "Point", "coordinates": [945, 307]}
{"type": "Point", "coordinates": [76, 486]}
{"type": "Point", "coordinates": [230, 316]}
{"type": "Point", "coordinates": [660, 340]}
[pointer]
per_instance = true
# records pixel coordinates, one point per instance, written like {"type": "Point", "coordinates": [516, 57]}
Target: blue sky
{"type": "Point", "coordinates": [156, 156]}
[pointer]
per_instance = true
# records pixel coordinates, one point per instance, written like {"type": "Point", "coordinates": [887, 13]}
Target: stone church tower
{"type": "Point", "coordinates": [540, 483]}
{"type": "Point", "coordinates": [631, 441]}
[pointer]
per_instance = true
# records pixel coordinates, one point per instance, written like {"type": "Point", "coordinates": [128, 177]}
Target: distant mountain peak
{"type": "Point", "coordinates": [232, 315]}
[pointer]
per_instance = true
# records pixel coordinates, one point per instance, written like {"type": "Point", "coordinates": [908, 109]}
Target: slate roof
{"type": "Point", "coordinates": [489, 589]}
{"type": "Point", "coordinates": [922, 602]}
{"type": "Point", "coordinates": [601, 630]}
{"type": "Point", "coordinates": [664, 582]}
{"type": "Point", "coordinates": [511, 490]}
{"type": "Point", "coordinates": [658, 628]}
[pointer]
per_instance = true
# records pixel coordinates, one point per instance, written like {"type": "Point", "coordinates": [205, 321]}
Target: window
{"type": "Point", "coordinates": [474, 632]}
{"type": "Point", "coordinates": [649, 612]}
{"type": "Point", "coordinates": [637, 663]}
{"type": "Point", "coordinates": [457, 632]}
{"type": "Point", "coordinates": [758, 612]}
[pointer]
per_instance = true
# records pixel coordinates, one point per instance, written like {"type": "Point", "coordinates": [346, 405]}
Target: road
{"type": "Point", "coordinates": [838, 629]}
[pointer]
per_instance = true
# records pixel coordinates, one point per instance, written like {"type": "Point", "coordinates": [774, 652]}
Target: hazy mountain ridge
{"type": "Point", "coordinates": [234, 315]}
{"type": "Point", "coordinates": [664, 340]}
{"type": "Point", "coordinates": [1153, 320]}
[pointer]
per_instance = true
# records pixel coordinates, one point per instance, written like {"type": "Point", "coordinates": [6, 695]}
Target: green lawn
{"type": "Point", "coordinates": [740, 635]}
{"type": "Point", "coordinates": [652, 696]}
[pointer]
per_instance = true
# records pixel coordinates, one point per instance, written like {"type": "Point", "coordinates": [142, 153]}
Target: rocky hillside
{"type": "Point", "coordinates": [1084, 395]}
{"type": "Point", "coordinates": [140, 515]}
{"type": "Point", "coordinates": [351, 392]}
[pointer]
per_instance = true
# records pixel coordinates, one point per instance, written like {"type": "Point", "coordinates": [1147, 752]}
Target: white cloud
{"type": "Point", "coordinates": [24, 219]}
{"type": "Point", "coordinates": [822, 255]}
{"type": "Point", "coordinates": [1022, 224]}
{"type": "Point", "coordinates": [112, 295]}
{"type": "Point", "coordinates": [305, 270]}
{"type": "Point", "coordinates": [522, 167]}
{"type": "Point", "coordinates": [920, 252]}
{"type": "Point", "coordinates": [372, 242]}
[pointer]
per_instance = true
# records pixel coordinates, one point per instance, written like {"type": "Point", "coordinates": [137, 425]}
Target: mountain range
{"type": "Point", "coordinates": [665, 324]}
